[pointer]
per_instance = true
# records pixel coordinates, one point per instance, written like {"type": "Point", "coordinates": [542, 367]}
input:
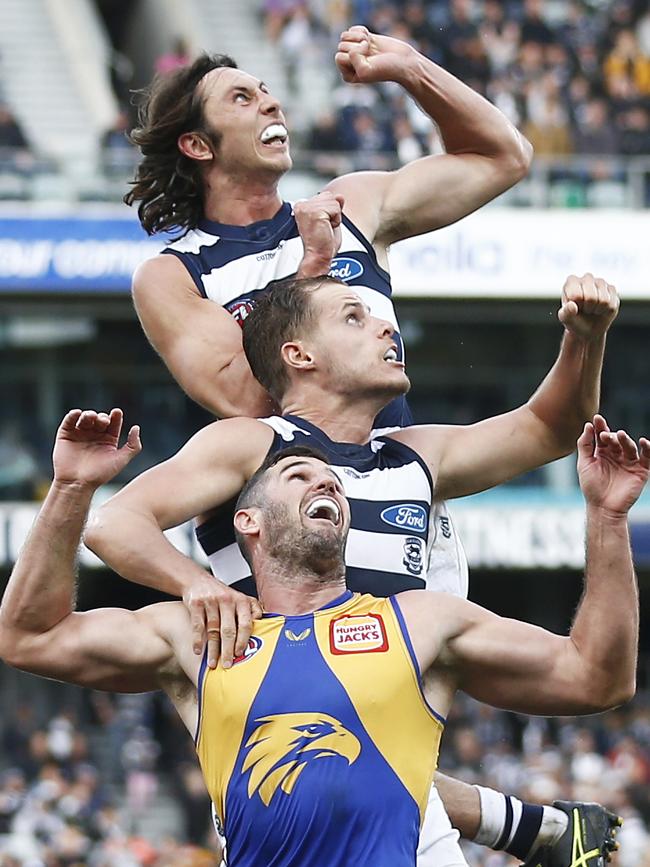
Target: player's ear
{"type": "Point", "coordinates": [194, 146]}
{"type": "Point", "coordinates": [296, 356]}
{"type": "Point", "coordinates": [247, 522]}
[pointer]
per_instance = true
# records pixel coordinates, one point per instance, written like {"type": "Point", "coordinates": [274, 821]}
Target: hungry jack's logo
{"type": "Point", "coordinates": [358, 633]}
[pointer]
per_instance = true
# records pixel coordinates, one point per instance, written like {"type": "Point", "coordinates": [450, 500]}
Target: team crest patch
{"type": "Point", "coordinates": [358, 633]}
{"type": "Point", "coordinates": [254, 644]}
{"type": "Point", "coordinates": [413, 555]}
{"type": "Point", "coordinates": [240, 310]}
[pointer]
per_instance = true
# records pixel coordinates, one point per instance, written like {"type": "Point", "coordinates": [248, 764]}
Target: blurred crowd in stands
{"type": "Point", "coordinates": [110, 781]}
{"type": "Point", "coordinates": [574, 76]}
{"type": "Point", "coordinates": [103, 781]}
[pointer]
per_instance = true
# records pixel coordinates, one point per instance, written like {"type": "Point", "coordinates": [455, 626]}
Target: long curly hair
{"type": "Point", "coordinates": [168, 185]}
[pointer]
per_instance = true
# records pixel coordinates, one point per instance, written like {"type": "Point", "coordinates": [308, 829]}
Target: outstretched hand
{"type": "Point", "coordinates": [589, 306]}
{"type": "Point", "coordinates": [612, 469]}
{"type": "Point", "coordinates": [86, 449]}
{"type": "Point", "coordinates": [365, 58]}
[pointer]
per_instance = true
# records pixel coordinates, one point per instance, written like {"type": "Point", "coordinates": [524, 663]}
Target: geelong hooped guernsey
{"type": "Point", "coordinates": [397, 541]}
{"type": "Point", "coordinates": [231, 265]}
{"type": "Point", "coordinates": [317, 746]}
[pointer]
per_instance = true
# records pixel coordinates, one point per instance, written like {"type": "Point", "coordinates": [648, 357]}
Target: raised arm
{"type": "Point", "coordinates": [524, 668]}
{"type": "Point", "coordinates": [471, 458]}
{"type": "Point", "coordinates": [485, 153]}
{"type": "Point", "coordinates": [39, 629]}
{"type": "Point", "coordinates": [127, 530]}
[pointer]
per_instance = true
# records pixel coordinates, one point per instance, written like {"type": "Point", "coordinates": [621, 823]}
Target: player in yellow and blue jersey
{"type": "Point", "coordinates": [326, 762]}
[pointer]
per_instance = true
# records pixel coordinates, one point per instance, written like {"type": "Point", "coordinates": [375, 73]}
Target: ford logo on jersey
{"type": "Point", "coordinates": [407, 516]}
{"type": "Point", "coordinates": [345, 269]}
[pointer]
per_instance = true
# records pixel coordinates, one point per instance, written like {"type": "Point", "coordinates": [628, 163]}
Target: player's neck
{"type": "Point", "coordinates": [298, 594]}
{"type": "Point", "coordinates": [342, 418]}
{"type": "Point", "coordinates": [241, 201]}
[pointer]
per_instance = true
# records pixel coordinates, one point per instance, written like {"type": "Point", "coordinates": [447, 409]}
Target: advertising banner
{"type": "Point", "coordinates": [72, 253]}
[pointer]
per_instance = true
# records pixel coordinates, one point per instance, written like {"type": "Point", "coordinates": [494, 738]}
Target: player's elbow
{"type": "Point", "coordinates": [102, 530]}
{"type": "Point", "coordinates": [15, 645]}
{"type": "Point", "coordinates": [515, 159]}
{"type": "Point", "coordinates": [616, 694]}
{"type": "Point", "coordinates": [604, 692]}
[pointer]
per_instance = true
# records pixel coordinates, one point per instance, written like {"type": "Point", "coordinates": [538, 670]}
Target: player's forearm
{"type": "Point", "coordinates": [134, 546]}
{"type": "Point", "coordinates": [570, 393]}
{"type": "Point", "coordinates": [41, 588]}
{"type": "Point", "coordinates": [606, 627]}
{"type": "Point", "coordinates": [468, 123]}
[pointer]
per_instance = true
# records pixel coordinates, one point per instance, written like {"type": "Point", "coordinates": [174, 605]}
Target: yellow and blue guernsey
{"type": "Point", "coordinates": [318, 747]}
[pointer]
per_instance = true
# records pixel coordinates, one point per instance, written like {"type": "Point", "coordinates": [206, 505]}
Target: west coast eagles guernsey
{"type": "Point", "coordinates": [317, 746]}
{"type": "Point", "coordinates": [232, 265]}
{"type": "Point", "coordinates": [398, 540]}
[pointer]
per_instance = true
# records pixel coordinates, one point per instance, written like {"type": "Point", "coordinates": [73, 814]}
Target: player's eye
{"type": "Point", "coordinates": [241, 97]}
{"type": "Point", "coordinates": [353, 317]}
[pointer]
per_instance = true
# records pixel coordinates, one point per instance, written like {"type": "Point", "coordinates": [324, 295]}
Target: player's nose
{"type": "Point", "coordinates": [385, 328]}
{"type": "Point", "coordinates": [270, 104]}
{"type": "Point", "coordinates": [326, 484]}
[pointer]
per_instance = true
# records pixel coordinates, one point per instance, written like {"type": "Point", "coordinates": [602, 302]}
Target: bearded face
{"type": "Point", "coordinates": [293, 541]}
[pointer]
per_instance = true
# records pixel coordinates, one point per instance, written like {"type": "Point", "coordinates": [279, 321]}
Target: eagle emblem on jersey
{"type": "Point", "coordinates": [283, 744]}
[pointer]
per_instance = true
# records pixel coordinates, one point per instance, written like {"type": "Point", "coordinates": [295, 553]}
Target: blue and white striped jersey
{"type": "Point", "coordinates": [232, 265]}
{"type": "Point", "coordinates": [399, 539]}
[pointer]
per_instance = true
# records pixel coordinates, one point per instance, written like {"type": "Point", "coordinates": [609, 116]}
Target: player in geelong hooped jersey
{"type": "Point", "coordinates": [292, 339]}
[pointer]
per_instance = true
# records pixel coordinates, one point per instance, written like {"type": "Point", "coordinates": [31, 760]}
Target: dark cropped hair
{"type": "Point", "coordinates": [252, 494]}
{"type": "Point", "coordinates": [168, 184]}
{"type": "Point", "coordinates": [284, 312]}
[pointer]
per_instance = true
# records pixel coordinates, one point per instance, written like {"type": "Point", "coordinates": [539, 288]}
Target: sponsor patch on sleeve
{"type": "Point", "coordinates": [358, 633]}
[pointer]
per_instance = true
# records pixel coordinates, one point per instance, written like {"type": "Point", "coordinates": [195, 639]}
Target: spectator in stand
{"type": "Point", "coordinates": [457, 35]}
{"type": "Point", "coordinates": [533, 24]}
{"type": "Point", "coordinates": [14, 148]}
{"type": "Point", "coordinates": [634, 128]}
{"type": "Point", "coordinates": [626, 61]}
{"type": "Point", "coordinates": [275, 14]}
{"type": "Point", "coordinates": [19, 472]}
{"type": "Point", "coordinates": [295, 39]}
{"type": "Point", "coordinates": [11, 135]}
{"type": "Point", "coordinates": [408, 146]}
{"type": "Point", "coordinates": [368, 137]}
{"type": "Point", "coordinates": [594, 132]}
{"type": "Point", "coordinates": [500, 36]}
{"type": "Point", "coordinates": [422, 31]}
{"type": "Point", "coordinates": [547, 127]}
{"type": "Point", "coordinates": [179, 55]}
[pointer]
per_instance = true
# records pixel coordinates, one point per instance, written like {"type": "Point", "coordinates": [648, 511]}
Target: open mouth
{"type": "Point", "coordinates": [275, 135]}
{"type": "Point", "coordinates": [324, 508]}
{"type": "Point", "coordinates": [391, 356]}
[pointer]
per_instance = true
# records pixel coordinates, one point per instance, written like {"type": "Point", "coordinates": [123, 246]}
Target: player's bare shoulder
{"type": "Point", "coordinates": [161, 274]}
{"type": "Point", "coordinates": [245, 441]}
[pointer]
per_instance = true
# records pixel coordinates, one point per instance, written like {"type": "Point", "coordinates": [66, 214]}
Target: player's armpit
{"type": "Point", "coordinates": [107, 648]}
{"type": "Point", "coordinates": [524, 668]}
{"type": "Point", "coordinates": [199, 341]}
